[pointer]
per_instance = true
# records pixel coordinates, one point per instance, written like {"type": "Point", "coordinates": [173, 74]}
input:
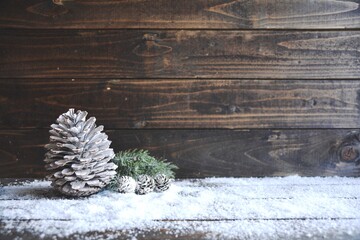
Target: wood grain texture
{"type": "Point", "coordinates": [204, 153]}
{"type": "Point", "coordinates": [192, 14]}
{"type": "Point", "coordinates": [235, 104]}
{"type": "Point", "coordinates": [179, 54]}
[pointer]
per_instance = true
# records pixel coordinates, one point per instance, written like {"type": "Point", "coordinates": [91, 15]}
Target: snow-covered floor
{"type": "Point", "coordinates": [221, 208]}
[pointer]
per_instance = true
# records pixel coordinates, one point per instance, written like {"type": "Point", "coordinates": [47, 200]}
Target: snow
{"type": "Point", "coordinates": [256, 208]}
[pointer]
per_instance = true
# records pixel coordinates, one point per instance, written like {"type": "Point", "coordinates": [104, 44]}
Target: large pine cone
{"type": "Point", "coordinates": [79, 155]}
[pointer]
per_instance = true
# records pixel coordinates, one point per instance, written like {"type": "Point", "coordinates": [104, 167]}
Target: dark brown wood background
{"type": "Point", "coordinates": [219, 87]}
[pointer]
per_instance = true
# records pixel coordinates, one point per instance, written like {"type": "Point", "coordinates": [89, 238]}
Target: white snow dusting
{"type": "Point", "coordinates": [252, 208]}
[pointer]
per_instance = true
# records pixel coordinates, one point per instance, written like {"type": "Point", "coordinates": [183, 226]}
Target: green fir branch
{"type": "Point", "coordinates": [138, 161]}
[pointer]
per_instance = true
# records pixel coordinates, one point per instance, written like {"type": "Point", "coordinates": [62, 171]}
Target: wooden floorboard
{"type": "Point", "coordinates": [179, 54]}
{"type": "Point", "coordinates": [275, 192]}
{"type": "Point", "coordinates": [306, 220]}
{"type": "Point", "coordinates": [194, 14]}
{"type": "Point", "coordinates": [161, 234]}
{"type": "Point", "coordinates": [192, 231]}
{"type": "Point", "coordinates": [202, 153]}
{"type": "Point", "coordinates": [183, 103]}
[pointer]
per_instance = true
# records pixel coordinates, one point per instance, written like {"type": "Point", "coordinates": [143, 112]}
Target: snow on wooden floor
{"type": "Point", "coordinates": [221, 208]}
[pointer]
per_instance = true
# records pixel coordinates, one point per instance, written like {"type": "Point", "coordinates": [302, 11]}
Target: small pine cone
{"type": "Point", "coordinates": [79, 155]}
{"type": "Point", "coordinates": [162, 183]}
{"type": "Point", "coordinates": [145, 184]}
{"type": "Point", "coordinates": [125, 184]}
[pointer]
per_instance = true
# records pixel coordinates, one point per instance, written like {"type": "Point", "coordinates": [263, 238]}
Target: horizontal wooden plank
{"type": "Point", "coordinates": [239, 104]}
{"type": "Point", "coordinates": [203, 153]}
{"type": "Point", "coordinates": [320, 208]}
{"type": "Point", "coordinates": [257, 189]}
{"type": "Point", "coordinates": [140, 234]}
{"type": "Point", "coordinates": [179, 54]}
{"type": "Point", "coordinates": [195, 14]}
{"type": "Point", "coordinates": [200, 230]}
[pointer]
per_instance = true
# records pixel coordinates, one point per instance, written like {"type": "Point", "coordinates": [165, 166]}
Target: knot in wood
{"type": "Point", "coordinates": [58, 2]}
{"type": "Point", "coordinates": [349, 153]}
{"type": "Point", "coordinates": [150, 37]}
{"type": "Point", "coordinates": [140, 124]}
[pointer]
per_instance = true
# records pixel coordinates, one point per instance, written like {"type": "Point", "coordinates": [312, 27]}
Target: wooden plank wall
{"type": "Point", "coordinates": [220, 87]}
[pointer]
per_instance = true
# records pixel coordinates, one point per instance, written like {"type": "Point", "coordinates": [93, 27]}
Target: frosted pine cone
{"type": "Point", "coordinates": [125, 184]}
{"type": "Point", "coordinates": [145, 184]}
{"type": "Point", "coordinates": [79, 155]}
{"type": "Point", "coordinates": [162, 183]}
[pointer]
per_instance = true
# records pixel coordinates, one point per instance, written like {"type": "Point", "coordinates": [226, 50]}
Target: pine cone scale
{"type": "Point", "coordinates": [70, 178]}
